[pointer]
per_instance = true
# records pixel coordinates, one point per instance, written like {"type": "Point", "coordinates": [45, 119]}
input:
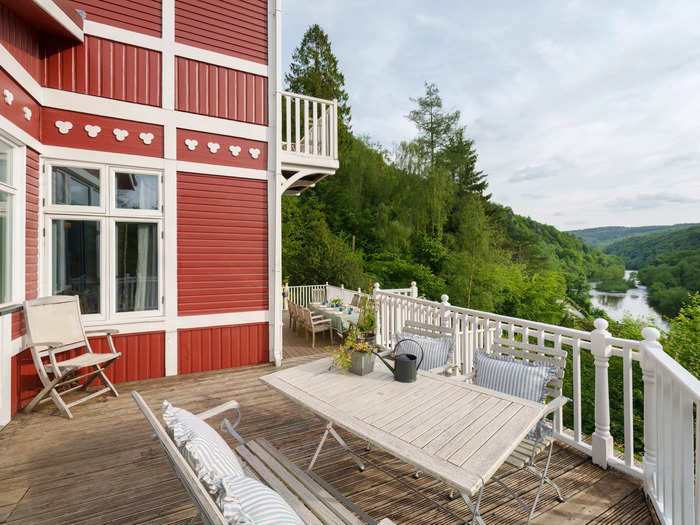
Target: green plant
{"type": "Point", "coordinates": [336, 302]}
{"type": "Point", "coordinates": [341, 356]}
{"type": "Point", "coordinates": [368, 318]}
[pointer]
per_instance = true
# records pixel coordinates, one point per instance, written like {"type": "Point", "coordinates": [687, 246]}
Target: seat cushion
{"type": "Point", "coordinates": [437, 351]}
{"type": "Point", "coordinates": [183, 427]}
{"type": "Point", "coordinates": [210, 464]}
{"type": "Point", "coordinates": [246, 501]}
{"type": "Point", "coordinates": [510, 376]}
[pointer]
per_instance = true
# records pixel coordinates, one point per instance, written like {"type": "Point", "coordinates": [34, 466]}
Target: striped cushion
{"type": "Point", "coordinates": [183, 426]}
{"type": "Point", "coordinates": [437, 351]}
{"type": "Point", "coordinates": [210, 464]}
{"type": "Point", "coordinates": [510, 376]}
{"type": "Point", "coordinates": [247, 501]}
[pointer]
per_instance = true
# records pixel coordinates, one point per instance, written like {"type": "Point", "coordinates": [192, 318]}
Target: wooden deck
{"type": "Point", "coordinates": [102, 467]}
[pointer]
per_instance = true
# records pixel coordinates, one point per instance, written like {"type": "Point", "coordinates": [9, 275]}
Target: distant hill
{"type": "Point", "coordinates": [605, 235]}
{"type": "Point", "coordinates": [668, 263]}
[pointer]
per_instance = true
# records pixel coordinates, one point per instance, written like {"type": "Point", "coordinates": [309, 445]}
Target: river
{"type": "Point", "coordinates": [634, 302]}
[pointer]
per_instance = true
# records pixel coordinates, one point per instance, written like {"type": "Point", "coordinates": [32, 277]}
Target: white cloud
{"type": "Point", "coordinates": [588, 107]}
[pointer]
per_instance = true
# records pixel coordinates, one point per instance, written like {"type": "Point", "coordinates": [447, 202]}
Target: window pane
{"type": "Point", "coordinates": [5, 247]}
{"type": "Point", "coordinates": [136, 191]}
{"type": "Point", "coordinates": [5, 171]}
{"type": "Point", "coordinates": [75, 186]}
{"type": "Point", "coordinates": [76, 262]}
{"type": "Point", "coordinates": [137, 266]}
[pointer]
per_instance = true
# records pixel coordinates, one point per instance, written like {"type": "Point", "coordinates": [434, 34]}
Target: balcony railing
{"type": "Point", "coordinates": [309, 126]}
{"type": "Point", "coordinates": [671, 425]}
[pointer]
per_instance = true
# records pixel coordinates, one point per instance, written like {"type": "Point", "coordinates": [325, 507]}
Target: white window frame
{"type": "Point", "coordinates": [108, 215]}
{"type": "Point", "coordinates": [15, 188]}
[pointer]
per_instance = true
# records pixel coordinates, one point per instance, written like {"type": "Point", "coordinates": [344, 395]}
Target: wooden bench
{"type": "Point", "coordinates": [314, 501]}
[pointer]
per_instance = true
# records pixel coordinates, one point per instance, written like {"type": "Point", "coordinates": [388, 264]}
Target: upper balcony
{"type": "Point", "coordinates": [309, 140]}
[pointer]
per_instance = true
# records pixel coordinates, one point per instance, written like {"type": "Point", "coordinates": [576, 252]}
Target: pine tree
{"type": "Point", "coordinates": [459, 158]}
{"type": "Point", "coordinates": [315, 71]}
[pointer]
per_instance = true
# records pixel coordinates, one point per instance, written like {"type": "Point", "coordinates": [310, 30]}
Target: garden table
{"type": "Point", "coordinates": [455, 431]}
{"type": "Point", "coordinates": [340, 321]}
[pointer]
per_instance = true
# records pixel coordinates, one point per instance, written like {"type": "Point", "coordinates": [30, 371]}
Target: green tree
{"type": "Point", "coordinates": [315, 71]}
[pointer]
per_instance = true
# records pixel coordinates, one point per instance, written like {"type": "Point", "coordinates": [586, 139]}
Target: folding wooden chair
{"type": "Point", "coordinates": [54, 326]}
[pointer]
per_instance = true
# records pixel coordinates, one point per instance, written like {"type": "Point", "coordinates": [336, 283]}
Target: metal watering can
{"type": "Point", "coordinates": [406, 363]}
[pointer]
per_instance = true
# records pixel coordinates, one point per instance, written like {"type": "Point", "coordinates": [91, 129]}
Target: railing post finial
{"type": "Point", "coordinates": [444, 299]}
{"type": "Point", "coordinates": [602, 441]}
{"type": "Point", "coordinates": [414, 289]}
{"type": "Point", "coordinates": [375, 288]}
{"type": "Point", "coordinates": [650, 345]}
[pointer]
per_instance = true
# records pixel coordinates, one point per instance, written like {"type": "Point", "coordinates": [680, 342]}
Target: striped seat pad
{"type": "Point", "coordinates": [510, 376]}
{"type": "Point", "coordinates": [437, 351]}
{"type": "Point", "coordinates": [183, 427]}
{"type": "Point", "coordinates": [246, 501]}
{"type": "Point", "coordinates": [210, 464]}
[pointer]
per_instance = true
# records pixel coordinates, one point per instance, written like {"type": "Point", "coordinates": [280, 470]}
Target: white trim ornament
{"type": "Point", "coordinates": [63, 126]}
{"type": "Point", "coordinates": [120, 134]}
{"type": "Point", "coordinates": [213, 146]}
{"type": "Point", "coordinates": [235, 150]}
{"type": "Point", "coordinates": [92, 131]}
{"type": "Point", "coordinates": [27, 113]}
{"type": "Point", "coordinates": [9, 97]}
{"type": "Point", "coordinates": [147, 138]}
{"type": "Point", "coordinates": [191, 144]}
{"type": "Point", "coordinates": [254, 152]}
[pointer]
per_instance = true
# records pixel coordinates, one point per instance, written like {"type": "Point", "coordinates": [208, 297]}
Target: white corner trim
{"type": "Point", "coordinates": [21, 135]}
{"type": "Point", "coordinates": [226, 171]}
{"type": "Point", "coordinates": [203, 321]}
{"type": "Point", "coordinates": [122, 35]}
{"type": "Point", "coordinates": [50, 7]}
{"type": "Point", "coordinates": [15, 70]}
{"type": "Point", "coordinates": [86, 155]}
{"type": "Point", "coordinates": [220, 59]}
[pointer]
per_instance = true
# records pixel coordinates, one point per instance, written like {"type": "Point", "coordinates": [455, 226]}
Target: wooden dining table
{"type": "Point", "coordinates": [455, 431]}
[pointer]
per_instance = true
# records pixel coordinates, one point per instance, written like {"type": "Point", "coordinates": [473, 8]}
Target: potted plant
{"type": "Point", "coordinates": [355, 354]}
{"type": "Point", "coordinates": [336, 302]}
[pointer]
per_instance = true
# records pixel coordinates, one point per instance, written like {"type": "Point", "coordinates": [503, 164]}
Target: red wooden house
{"type": "Point", "coordinates": [144, 149]}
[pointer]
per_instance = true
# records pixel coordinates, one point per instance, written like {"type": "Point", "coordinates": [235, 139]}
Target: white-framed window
{"type": "Point", "coordinates": [103, 238]}
{"type": "Point", "coordinates": [8, 194]}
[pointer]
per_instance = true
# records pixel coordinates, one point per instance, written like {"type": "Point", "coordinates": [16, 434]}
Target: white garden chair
{"type": "Point", "coordinates": [54, 326]}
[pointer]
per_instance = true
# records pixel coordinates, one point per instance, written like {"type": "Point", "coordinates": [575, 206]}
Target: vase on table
{"type": "Point", "coordinates": [361, 363]}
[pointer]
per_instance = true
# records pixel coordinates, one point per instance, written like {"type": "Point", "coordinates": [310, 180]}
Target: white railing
{"type": "Point", "coordinates": [670, 392]}
{"type": "Point", "coordinates": [309, 125]}
{"type": "Point", "coordinates": [312, 293]}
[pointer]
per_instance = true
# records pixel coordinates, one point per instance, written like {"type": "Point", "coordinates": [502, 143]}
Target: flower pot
{"type": "Point", "coordinates": [361, 363]}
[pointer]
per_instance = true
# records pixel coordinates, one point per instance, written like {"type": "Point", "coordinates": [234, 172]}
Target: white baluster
{"type": "Point", "coordinates": [602, 441]}
{"type": "Point", "coordinates": [649, 347]}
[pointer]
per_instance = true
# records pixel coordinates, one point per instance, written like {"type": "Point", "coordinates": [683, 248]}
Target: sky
{"type": "Point", "coordinates": [583, 113]}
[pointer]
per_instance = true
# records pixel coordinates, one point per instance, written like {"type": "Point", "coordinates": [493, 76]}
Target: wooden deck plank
{"type": "Point", "coordinates": [102, 467]}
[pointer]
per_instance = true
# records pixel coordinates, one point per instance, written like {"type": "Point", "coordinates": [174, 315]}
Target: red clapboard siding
{"type": "Point", "coordinates": [20, 99]}
{"type": "Point", "coordinates": [18, 328]}
{"type": "Point", "coordinates": [218, 347]}
{"type": "Point", "coordinates": [105, 140]}
{"type": "Point", "coordinates": [142, 16]}
{"type": "Point", "coordinates": [221, 92]}
{"type": "Point", "coordinates": [22, 42]}
{"type": "Point", "coordinates": [223, 156]}
{"type": "Point", "coordinates": [143, 357]}
{"type": "Point", "coordinates": [222, 244]}
{"type": "Point", "coordinates": [233, 27]}
{"type": "Point", "coordinates": [104, 68]}
{"type": "Point", "coordinates": [31, 236]}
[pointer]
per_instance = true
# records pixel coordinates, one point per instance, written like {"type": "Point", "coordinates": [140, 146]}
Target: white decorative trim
{"type": "Point", "coordinates": [191, 144]}
{"type": "Point", "coordinates": [92, 131]}
{"type": "Point", "coordinates": [50, 7]}
{"type": "Point", "coordinates": [213, 146]}
{"type": "Point", "coordinates": [63, 126]}
{"type": "Point", "coordinates": [21, 75]}
{"type": "Point", "coordinates": [219, 59]}
{"type": "Point", "coordinates": [254, 152]}
{"type": "Point", "coordinates": [106, 157]}
{"type": "Point", "coordinates": [9, 97]}
{"type": "Point", "coordinates": [225, 171]}
{"type": "Point", "coordinates": [235, 150]}
{"type": "Point", "coordinates": [120, 134]}
{"type": "Point", "coordinates": [18, 134]}
{"type": "Point", "coordinates": [147, 138]}
{"type": "Point", "coordinates": [204, 321]}
{"type": "Point", "coordinates": [27, 113]}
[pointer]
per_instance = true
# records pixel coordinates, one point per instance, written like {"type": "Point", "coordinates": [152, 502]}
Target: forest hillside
{"type": "Point", "coordinates": [604, 235]}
